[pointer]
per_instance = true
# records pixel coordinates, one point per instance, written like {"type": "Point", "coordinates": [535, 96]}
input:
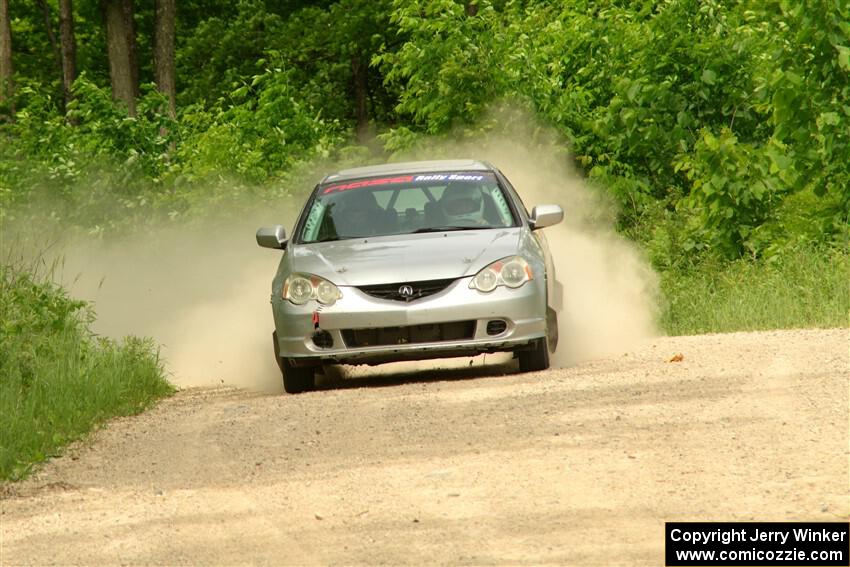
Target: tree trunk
{"type": "Point", "coordinates": [130, 22]}
{"type": "Point", "coordinates": [472, 8]}
{"type": "Point", "coordinates": [118, 47]}
{"type": "Point", "coordinates": [164, 52]}
{"type": "Point", "coordinates": [7, 84]}
{"type": "Point", "coordinates": [51, 37]}
{"type": "Point", "coordinates": [358, 72]}
{"type": "Point", "coordinates": [69, 47]}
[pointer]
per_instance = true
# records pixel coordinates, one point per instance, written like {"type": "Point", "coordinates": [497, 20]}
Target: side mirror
{"type": "Point", "coordinates": [545, 215]}
{"type": "Point", "coordinates": [272, 237]}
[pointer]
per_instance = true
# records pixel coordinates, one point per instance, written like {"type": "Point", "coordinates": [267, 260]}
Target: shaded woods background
{"type": "Point", "coordinates": [719, 127]}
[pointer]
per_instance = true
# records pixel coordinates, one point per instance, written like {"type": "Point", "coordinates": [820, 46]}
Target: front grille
{"type": "Point", "coordinates": [406, 291]}
{"type": "Point", "coordinates": [413, 334]}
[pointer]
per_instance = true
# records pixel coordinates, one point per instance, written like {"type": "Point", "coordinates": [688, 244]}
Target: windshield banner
{"type": "Point", "coordinates": [413, 179]}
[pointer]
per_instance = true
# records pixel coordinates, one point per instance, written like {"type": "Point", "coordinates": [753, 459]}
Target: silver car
{"type": "Point", "coordinates": [409, 261]}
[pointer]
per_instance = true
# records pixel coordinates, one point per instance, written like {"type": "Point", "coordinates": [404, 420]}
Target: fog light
{"type": "Point", "coordinates": [323, 339]}
{"type": "Point", "coordinates": [496, 327]}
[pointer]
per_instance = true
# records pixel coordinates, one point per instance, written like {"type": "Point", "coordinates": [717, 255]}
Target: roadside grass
{"type": "Point", "coordinates": [57, 379]}
{"type": "Point", "coordinates": [805, 288]}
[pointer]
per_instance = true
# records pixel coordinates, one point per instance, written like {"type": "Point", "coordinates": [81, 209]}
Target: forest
{"type": "Point", "coordinates": [720, 128]}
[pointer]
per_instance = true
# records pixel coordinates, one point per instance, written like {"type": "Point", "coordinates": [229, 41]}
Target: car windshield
{"type": "Point", "coordinates": [405, 204]}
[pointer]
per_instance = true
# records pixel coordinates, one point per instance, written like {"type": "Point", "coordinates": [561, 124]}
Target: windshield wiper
{"type": "Point", "coordinates": [445, 228]}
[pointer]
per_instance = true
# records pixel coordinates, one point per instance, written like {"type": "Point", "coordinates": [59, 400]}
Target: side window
{"type": "Point", "coordinates": [313, 221]}
{"type": "Point", "coordinates": [517, 199]}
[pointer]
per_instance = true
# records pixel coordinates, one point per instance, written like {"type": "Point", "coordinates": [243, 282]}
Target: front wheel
{"type": "Point", "coordinates": [552, 328]}
{"type": "Point", "coordinates": [535, 357]}
{"type": "Point", "coordinates": [295, 379]}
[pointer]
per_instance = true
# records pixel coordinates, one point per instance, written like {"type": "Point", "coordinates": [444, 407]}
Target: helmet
{"type": "Point", "coordinates": [357, 213]}
{"type": "Point", "coordinates": [358, 200]}
{"type": "Point", "coordinates": [462, 203]}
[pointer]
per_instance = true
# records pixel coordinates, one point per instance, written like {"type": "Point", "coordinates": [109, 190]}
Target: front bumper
{"type": "Point", "coordinates": [522, 309]}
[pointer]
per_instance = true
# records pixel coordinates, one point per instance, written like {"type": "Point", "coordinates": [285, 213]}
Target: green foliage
{"type": "Point", "coordinates": [99, 168]}
{"type": "Point", "coordinates": [57, 380]}
{"type": "Point", "coordinates": [315, 44]}
{"type": "Point", "coordinates": [263, 132]}
{"type": "Point", "coordinates": [810, 102]}
{"type": "Point", "coordinates": [677, 101]}
{"type": "Point", "coordinates": [717, 111]}
{"type": "Point", "coordinates": [451, 65]}
{"type": "Point", "coordinates": [263, 89]}
{"type": "Point", "coordinates": [732, 188]}
{"type": "Point", "coordinates": [223, 50]}
{"type": "Point", "coordinates": [93, 129]}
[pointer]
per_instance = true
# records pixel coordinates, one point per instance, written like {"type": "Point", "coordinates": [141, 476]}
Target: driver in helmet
{"type": "Point", "coordinates": [462, 204]}
{"type": "Point", "coordinates": [359, 213]}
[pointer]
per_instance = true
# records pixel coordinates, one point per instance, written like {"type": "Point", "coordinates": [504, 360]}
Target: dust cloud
{"type": "Point", "coordinates": [203, 295]}
{"type": "Point", "coordinates": [609, 299]}
{"type": "Point", "coordinates": [202, 292]}
{"type": "Point", "coordinates": [608, 304]}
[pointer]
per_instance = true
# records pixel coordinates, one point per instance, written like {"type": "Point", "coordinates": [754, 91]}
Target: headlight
{"type": "Point", "coordinates": [512, 272]}
{"type": "Point", "coordinates": [301, 288]}
{"type": "Point", "coordinates": [326, 292]}
{"type": "Point", "coordinates": [298, 290]}
{"type": "Point", "coordinates": [486, 280]}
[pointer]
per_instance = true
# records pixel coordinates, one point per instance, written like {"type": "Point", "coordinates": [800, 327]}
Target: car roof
{"type": "Point", "coordinates": [410, 167]}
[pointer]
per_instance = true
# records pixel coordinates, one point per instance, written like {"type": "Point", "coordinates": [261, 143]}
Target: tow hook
{"type": "Point", "coordinates": [321, 338]}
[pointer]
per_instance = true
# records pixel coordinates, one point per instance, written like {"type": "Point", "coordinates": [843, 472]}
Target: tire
{"type": "Point", "coordinates": [295, 379]}
{"type": "Point", "coordinates": [552, 329]}
{"type": "Point", "coordinates": [535, 357]}
{"type": "Point", "coordinates": [276, 347]}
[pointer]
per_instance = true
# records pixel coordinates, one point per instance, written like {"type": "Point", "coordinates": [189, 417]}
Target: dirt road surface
{"type": "Point", "coordinates": [571, 466]}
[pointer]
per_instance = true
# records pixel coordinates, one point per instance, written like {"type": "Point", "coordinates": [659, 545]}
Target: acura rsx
{"type": "Point", "coordinates": [410, 261]}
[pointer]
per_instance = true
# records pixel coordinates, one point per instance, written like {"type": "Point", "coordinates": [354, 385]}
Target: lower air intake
{"type": "Point", "coordinates": [413, 334]}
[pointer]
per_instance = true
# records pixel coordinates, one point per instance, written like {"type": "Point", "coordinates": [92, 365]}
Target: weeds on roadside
{"type": "Point", "coordinates": [808, 286]}
{"type": "Point", "coordinates": [57, 379]}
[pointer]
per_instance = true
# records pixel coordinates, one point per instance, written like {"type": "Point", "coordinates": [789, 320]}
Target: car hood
{"type": "Point", "coordinates": [406, 257]}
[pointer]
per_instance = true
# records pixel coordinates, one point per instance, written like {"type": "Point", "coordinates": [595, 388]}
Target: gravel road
{"type": "Point", "coordinates": [575, 466]}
